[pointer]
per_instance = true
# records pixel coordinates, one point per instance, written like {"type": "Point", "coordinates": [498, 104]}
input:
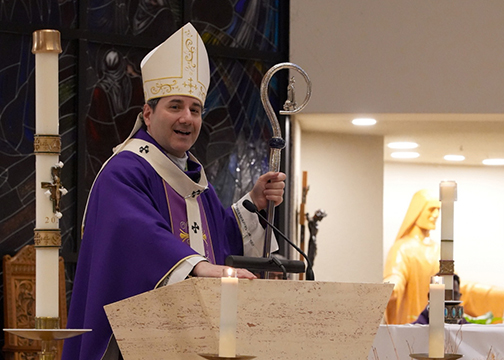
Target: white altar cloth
{"type": "Point", "coordinates": [474, 342]}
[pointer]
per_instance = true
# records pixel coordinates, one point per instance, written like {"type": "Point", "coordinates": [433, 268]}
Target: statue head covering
{"type": "Point", "coordinates": [421, 200]}
{"type": "Point", "coordinates": [179, 66]}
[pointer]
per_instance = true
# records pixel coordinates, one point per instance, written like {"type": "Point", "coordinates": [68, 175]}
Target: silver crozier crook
{"type": "Point", "coordinates": [277, 143]}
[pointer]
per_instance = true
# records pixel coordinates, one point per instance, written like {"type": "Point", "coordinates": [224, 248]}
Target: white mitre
{"type": "Point", "coordinates": [179, 66]}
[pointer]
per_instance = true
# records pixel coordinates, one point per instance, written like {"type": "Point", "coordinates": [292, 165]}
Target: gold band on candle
{"type": "Point", "coordinates": [47, 237]}
{"type": "Point", "coordinates": [446, 267]}
{"type": "Point", "coordinates": [47, 322]}
{"type": "Point", "coordinates": [46, 41]}
{"type": "Point", "coordinates": [47, 144]}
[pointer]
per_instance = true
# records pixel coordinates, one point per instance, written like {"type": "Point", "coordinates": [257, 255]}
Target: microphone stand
{"type": "Point", "coordinates": [309, 268]}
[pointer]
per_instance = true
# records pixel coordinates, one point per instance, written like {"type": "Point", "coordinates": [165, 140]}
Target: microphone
{"type": "Point", "coordinates": [265, 264]}
{"type": "Point", "coordinates": [253, 209]}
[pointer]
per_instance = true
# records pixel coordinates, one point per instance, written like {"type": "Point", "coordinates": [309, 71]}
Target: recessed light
{"type": "Point", "coordinates": [454, 157]}
{"type": "Point", "coordinates": [493, 161]}
{"type": "Point", "coordinates": [403, 145]}
{"type": "Point", "coordinates": [405, 155]}
{"type": "Point", "coordinates": [364, 121]}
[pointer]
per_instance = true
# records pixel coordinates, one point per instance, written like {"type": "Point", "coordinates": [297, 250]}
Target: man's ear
{"type": "Point", "coordinates": [147, 111]}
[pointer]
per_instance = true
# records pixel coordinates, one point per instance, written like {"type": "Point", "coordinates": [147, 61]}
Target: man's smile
{"type": "Point", "coordinates": [182, 132]}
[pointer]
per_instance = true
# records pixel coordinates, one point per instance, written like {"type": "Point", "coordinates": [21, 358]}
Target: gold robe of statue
{"type": "Point", "coordinates": [412, 260]}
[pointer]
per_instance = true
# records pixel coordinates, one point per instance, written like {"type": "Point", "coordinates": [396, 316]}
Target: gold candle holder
{"type": "Point", "coordinates": [46, 41]}
{"type": "Point", "coordinates": [49, 347]}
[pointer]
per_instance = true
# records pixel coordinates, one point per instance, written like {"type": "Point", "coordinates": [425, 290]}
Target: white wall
{"type": "Point", "coordinates": [345, 175]}
{"type": "Point", "coordinates": [478, 218]}
{"type": "Point", "coordinates": [400, 56]}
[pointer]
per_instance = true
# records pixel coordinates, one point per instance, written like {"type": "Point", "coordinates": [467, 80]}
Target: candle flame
{"type": "Point", "coordinates": [230, 272]}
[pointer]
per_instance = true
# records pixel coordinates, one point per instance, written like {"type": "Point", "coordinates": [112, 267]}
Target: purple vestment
{"type": "Point", "coordinates": [129, 245]}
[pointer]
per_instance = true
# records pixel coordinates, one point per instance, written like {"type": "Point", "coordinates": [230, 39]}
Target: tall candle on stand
{"type": "Point", "coordinates": [229, 310]}
{"type": "Point", "coordinates": [436, 318]}
{"type": "Point", "coordinates": [447, 196]}
{"type": "Point", "coordinates": [47, 146]}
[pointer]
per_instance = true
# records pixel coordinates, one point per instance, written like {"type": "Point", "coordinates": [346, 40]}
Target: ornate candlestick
{"type": "Point", "coordinates": [453, 312]}
{"type": "Point", "coordinates": [47, 237]}
{"type": "Point", "coordinates": [448, 195]}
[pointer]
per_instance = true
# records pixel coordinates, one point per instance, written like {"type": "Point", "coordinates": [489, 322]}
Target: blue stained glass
{"type": "Point", "coordinates": [237, 160]}
{"type": "Point", "coordinates": [48, 13]}
{"type": "Point", "coordinates": [116, 97]}
{"type": "Point", "coordinates": [240, 24]}
{"type": "Point", "coordinates": [156, 19]}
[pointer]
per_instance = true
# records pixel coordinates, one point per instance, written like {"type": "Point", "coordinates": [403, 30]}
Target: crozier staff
{"type": "Point", "coordinates": [152, 218]}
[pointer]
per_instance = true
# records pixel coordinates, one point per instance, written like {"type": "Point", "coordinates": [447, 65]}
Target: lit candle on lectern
{"type": "Point", "coordinates": [229, 309]}
{"type": "Point", "coordinates": [46, 47]}
{"type": "Point", "coordinates": [436, 317]}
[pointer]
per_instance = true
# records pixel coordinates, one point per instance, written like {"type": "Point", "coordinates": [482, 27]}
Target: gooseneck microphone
{"type": "Point", "coordinates": [249, 205]}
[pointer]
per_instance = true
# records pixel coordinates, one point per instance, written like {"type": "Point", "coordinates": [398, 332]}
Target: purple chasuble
{"type": "Point", "coordinates": [130, 243]}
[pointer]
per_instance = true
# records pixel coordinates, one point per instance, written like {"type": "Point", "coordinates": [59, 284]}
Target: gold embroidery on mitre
{"type": "Point", "coordinates": [189, 53]}
{"type": "Point", "coordinates": [189, 84]}
{"type": "Point", "coordinates": [179, 66]}
{"type": "Point", "coordinates": [164, 88]}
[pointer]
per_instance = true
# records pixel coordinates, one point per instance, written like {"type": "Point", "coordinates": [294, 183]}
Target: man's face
{"type": "Point", "coordinates": [175, 124]}
{"type": "Point", "coordinates": [428, 216]}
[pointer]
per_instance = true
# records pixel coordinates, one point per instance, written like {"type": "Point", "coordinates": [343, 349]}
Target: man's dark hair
{"type": "Point", "coordinates": [153, 103]}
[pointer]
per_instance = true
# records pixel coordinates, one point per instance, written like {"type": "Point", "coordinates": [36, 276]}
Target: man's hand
{"type": "Point", "coordinates": [205, 269]}
{"type": "Point", "coordinates": [269, 187]}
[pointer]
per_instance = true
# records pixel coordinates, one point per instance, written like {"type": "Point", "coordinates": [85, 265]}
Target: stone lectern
{"type": "Point", "coordinates": [275, 320]}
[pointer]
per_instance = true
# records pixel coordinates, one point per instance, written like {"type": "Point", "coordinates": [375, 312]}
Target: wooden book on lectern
{"type": "Point", "coordinates": [276, 320]}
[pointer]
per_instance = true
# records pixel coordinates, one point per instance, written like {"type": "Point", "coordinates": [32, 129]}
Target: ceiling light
{"type": "Point", "coordinates": [454, 157]}
{"type": "Point", "coordinates": [405, 155]}
{"type": "Point", "coordinates": [493, 161]}
{"type": "Point", "coordinates": [403, 145]}
{"type": "Point", "coordinates": [364, 121]}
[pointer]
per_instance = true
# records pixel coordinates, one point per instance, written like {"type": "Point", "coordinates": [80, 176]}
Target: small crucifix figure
{"type": "Point", "coordinates": [55, 187]}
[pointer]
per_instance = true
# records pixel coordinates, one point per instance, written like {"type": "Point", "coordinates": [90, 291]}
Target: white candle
{"type": "Point", "coordinates": [46, 123]}
{"type": "Point", "coordinates": [436, 318]}
{"type": "Point", "coordinates": [228, 319]}
{"type": "Point", "coordinates": [46, 93]}
{"type": "Point", "coordinates": [446, 249]}
{"type": "Point", "coordinates": [46, 47]}
{"type": "Point", "coordinates": [46, 284]}
{"type": "Point", "coordinates": [447, 196]}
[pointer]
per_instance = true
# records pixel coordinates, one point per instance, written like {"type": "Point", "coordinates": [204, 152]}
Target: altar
{"type": "Point", "coordinates": [474, 342]}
